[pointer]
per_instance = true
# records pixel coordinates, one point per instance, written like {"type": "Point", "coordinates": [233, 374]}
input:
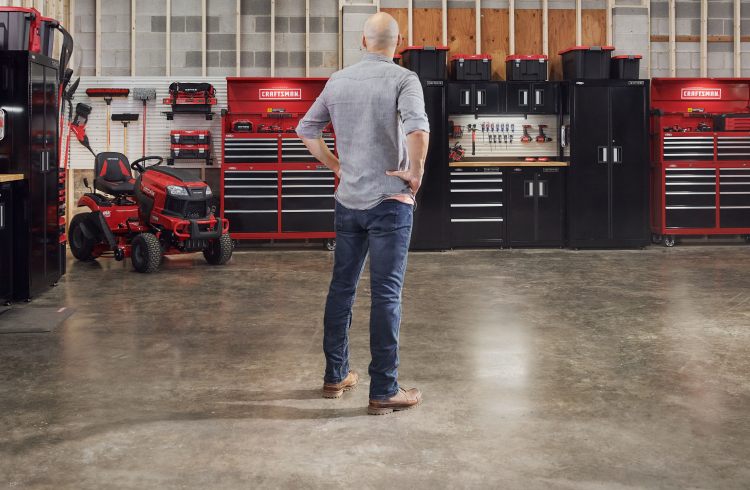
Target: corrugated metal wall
{"type": "Point", "coordinates": [157, 126]}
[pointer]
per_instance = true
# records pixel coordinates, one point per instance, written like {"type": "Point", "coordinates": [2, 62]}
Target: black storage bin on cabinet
{"type": "Point", "coordinates": [471, 67]}
{"type": "Point", "coordinates": [526, 67]}
{"type": "Point", "coordinates": [397, 59]}
{"type": "Point", "coordinates": [425, 61]}
{"type": "Point", "coordinates": [625, 67]}
{"type": "Point", "coordinates": [592, 62]}
{"type": "Point", "coordinates": [15, 26]}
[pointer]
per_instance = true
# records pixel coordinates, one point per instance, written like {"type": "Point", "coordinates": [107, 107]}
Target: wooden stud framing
{"type": "Point", "coordinates": [72, 26]}
{"type": "Point", "coordinates": [169, 38]}
{"type": "Point", "coordinates": [545, 28]}
{"type": "Point", "coordinates": [203, 36]}
{"type": "Point", "coordinates": [445, 22]}
{"type": "Point", "coordinates": [648, 28]}
{"type": "Point", "coordinates": [610, 27]}
{"type": "Point", "coordinates": [737, 40]}
{"type": "Point", "coordinates": [239, 38]}
{"type": "Point", "coordinates": [512, 27]}
{"type": "Point", "coordinates": [98, 70]}
{"type": "Point", "coordinates": [307, 37]}
{"type": "Point", "coordinates": [410, 15]}
{"type": "Point", "coordinates": [478, 32]}
{"type": "Point", "coordinates": [578, 22]}
{"type": "Point", "coordinates": [273, 37]}
{"type": "Point", "coordinates": [132, 38]}
{"type": "Point", "coordinates": [672, 29]}
{"type": "Point", "coordinates": [704, 38]}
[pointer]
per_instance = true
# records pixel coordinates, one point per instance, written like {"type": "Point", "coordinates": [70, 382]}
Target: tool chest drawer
{"type": "Point", "coordinates": [251, 200]}
{"type": "Point", "coordinates": [733, 148]}
{"type": "Point", "coordinates": [251, 150]}
{"type": "Point", "coordinates": [307, 200]}
{"type": "Point", "coordinates": [293, 150]}
{"type": "Point", "coordinates": [251, 183]}
{"type": "Point", "coordinates": [688, 148]}
{"type": "Point", "coordinates": [690, 197]}
{"type": "Point", "coordinates": [307, 221]}
{"type": "Point", "coordinates": [476, 206]}
{"type": "Point", "coordinates": [734, 197]}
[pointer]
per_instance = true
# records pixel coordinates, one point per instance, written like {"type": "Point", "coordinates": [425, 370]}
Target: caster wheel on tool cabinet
{"type": "Point", "coordinates": [330, 244]}
{"type": "Point", "coordinates": [656, 239]}
{"type": "Point", "coordinates": [747, 238]}
{"type": "Point", "coordinates": [669, 240]}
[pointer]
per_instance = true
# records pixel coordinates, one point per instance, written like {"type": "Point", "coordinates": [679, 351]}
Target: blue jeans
{"type": "Point", "coordinates": [384, 232]}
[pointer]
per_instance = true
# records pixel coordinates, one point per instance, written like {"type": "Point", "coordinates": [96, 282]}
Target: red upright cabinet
{"type": "Point", "coordinates": [700, 170]}
{"type": "Point", "coordinates": [271, 186]}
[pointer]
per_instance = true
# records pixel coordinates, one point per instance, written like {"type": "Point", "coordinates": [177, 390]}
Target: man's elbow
{"type": "Point", "coordinates": [419, 135]}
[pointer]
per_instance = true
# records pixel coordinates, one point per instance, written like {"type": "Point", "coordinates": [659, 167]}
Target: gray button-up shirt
{"type": "Point", "coordinates": [373, 106]}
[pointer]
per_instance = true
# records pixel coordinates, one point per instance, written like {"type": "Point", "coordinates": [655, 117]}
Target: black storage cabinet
{"type": "Point", "coordinates": [608, 176]}
{"type": "Point", "coordinates": [6, 238]}
{"type": "Point", "coordinates": [30, 81]}
{"type": "Point", "coordinates": [625, 67]}
{"type": "Point", "coordinates": [531, 98]}
{"type": "Point", "coordinates": [536, 204]}
{"type": "Point", "coordinates": [471, 67]}
{"type": "Point", "coordinates": [590, 62]}
{"type": "Point", "coordinates": [425, 61]}
{"type": "Point", "coordinates": [475, 98]}
{"type": "Point", "coordinates": [428, 230]}
{"type": "Point", "coordinates": [526, 67]}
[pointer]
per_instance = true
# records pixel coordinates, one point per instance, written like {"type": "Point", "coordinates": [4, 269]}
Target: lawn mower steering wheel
{"type": "Point", "coordinates": [136, 165]}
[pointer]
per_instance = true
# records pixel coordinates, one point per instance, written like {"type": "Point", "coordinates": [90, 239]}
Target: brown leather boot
{"type": "Point", "coordinates": [331, 390]}
{"type": "Point", "coordinates": [403, 400]}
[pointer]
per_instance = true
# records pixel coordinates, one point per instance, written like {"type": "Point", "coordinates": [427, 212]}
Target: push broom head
{"type": "Point", "coordinates": [124, 118]}
{"type": "Point", "coordinates": [108, 93]}
{"type": "Point", "coordinates": [144, 94]}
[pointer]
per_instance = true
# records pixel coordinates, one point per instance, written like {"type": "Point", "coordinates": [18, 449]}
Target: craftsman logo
{"type": "Point", "coordinates": [148, 191]}
{"type": "Point", "coordinates": [107, 214]}
{"type": "Point", "coordinates": [701, 93]}
{"type": "Point", "coordinates": [281, 94]}
{"type": "Point", "coordinates": [154, 217]}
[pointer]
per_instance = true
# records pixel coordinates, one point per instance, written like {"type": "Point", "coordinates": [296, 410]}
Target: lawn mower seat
{"type": "Point", "coordinates": [112, 174]}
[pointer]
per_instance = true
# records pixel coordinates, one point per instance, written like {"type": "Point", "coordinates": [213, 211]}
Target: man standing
{"type": "Point", "coordinates": [377, 110]}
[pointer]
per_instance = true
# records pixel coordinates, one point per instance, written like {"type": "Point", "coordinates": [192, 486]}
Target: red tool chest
{"type": "Point", "coordinates": [271, 186]}
{"type": "Point", "coordinates": [700, 172]}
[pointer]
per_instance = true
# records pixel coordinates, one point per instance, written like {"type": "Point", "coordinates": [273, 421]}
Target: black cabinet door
{"type": "Point", "coordinates": [521, 205]}
{"type": "Point", "coordinates": [6, 240]}
{"type": "Point", "coordinates": [588, 180]}
{"type": "Point", "coordinates": [549, 198]}
{"type": "Point", "coordinates": [51, 169]}
{"type": "Point", "coordinates": [460, 98]}
{"type": "Point", "coordinates": [630, 163]}
{"type": "Point", "coordinates": [517, 98]}
{"type": "Point", "coordinates": [487, 98]}
{"type": "Point", "coordinates": [544, 98]}
{"type": "Point", "coordinates": [37, 176]}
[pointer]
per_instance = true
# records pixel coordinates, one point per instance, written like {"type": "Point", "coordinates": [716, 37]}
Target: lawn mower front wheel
{"type": "Point", "coordinates": [145, 253]}
{"type": "Point", "coordinates": [82, 247]}
{"type": "Point", "coordinates": [219, 251]}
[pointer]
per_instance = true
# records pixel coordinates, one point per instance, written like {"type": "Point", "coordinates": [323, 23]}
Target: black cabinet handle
{"type": "Point", "coordinates": [523, 98]}
{"type": "Point", "coordinates": [528, 188]}
{"type": "Point", "coordinates": [539, 97]}
{"type": "Point", "coordinates": [542, 188]}
{"type": "Point", "coordinates": [602, 152]}
{"type": "Point", "coordinates": [465, 97]}
{"type": "Point", "coordinates": [481, 99]}
{"type": "Point", "coordinates": [617, 154]}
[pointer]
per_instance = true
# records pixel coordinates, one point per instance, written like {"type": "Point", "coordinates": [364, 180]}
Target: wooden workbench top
{"type": "Point", "coordinates": [508, 164]}
{"type": "Point", "coordinates": [10, 177]}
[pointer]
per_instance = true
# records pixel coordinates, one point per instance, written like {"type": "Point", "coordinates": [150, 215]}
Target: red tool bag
{"type": "Point", "coordinates": [191, 97]}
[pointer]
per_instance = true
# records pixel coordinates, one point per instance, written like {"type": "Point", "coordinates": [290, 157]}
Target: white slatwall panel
{"type": "Point", "coordinates": [157, 126]}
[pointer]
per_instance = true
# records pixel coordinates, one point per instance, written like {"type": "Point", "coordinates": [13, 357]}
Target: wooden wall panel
{"type": "Point", "coordinates": [562, 35]}
{"type": "Point", "coordinates": [462, 28]}
{"type": "Point", "coordinates": [402, 17]}
{"type": "Point", "coordinates": [495, 41]}
{"type": "Point", "coordinates": [428, 27]}
{"type": "Point", "coordinates": [528, 31]}
{"type": "Point", "coordinates": [594, 27]}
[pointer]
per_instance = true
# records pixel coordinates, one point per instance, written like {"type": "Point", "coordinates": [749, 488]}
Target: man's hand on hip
{"type": "Point", "coordinates": [414, 179]}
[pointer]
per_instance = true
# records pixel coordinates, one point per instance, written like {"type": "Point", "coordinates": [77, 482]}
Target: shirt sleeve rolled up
{"type": "Point", "coordinates": [318, 117]}
{"type": "Point", "coordinates": [411, 104]}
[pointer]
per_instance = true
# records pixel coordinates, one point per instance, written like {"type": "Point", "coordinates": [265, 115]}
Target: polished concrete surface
{"type": "Point", "coordinates": [540, 369]}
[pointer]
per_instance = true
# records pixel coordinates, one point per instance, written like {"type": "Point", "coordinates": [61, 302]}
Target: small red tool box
{"type": "Point", "coordinates": [190, 137]}
{"type": "Point", "coordinates": [526, 67]}
{"type": "Point", "coordinates": [190, 151]}
{"type": "Point", "coordinates": [271, 185]}
{"type": "Point", "coordinates": [191, 97]}
{"type": "Point", "coordinates": [471, 67]}
{"type": "Point", "coordinates": [700, 154]}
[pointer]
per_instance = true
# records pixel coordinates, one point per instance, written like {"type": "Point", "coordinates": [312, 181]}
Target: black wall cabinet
{"type": "Point", "coordinates": [531, 98]}
{"type": "Point", "coordinates": [474, 98]}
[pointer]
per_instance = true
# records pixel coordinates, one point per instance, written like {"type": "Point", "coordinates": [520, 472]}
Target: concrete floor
{"type": "Point", "coordinates": [539, 368]}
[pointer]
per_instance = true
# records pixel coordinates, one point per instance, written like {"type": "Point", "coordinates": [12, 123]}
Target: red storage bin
{"type": "Point", "coordinates": [526, 67]}
{"type": "Point", "coordinates": [397, 59]}
{"type": "Point", "coordinates": [591, 62]}
{"type": "Point", "coordinates": [190, 151]}
{"type": "Point", "coordinates": [425, 61]}
{"type": "Point", "coordinates": [471, 67]}
{"type": "Point", "coordinates": [625, 67]}
{"type": "Point", "coordinates": [19, 29]}
{"type": "Point", "coordinates": [190, 137]}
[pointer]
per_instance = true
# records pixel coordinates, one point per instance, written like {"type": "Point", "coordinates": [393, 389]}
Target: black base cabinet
{"type": "Point", "coordinates": [477, 207]}
{"type": "Point", "coordinates": [536, 203]}
{"type": "Point", "coordinates": [6, 240]}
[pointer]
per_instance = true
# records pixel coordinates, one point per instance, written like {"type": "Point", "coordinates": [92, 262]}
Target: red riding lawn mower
{"type": "Point", "coordinates": [164, 211]}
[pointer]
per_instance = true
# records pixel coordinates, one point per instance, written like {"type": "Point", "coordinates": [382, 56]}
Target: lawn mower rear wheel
{"type": "Point", "coordinates": [219, 251]}
{"type": "Point", "coordinates": [145, 253]}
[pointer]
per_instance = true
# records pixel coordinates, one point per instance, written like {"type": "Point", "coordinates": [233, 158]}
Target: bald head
{"type": "Point", "coordinates": [381, 34]}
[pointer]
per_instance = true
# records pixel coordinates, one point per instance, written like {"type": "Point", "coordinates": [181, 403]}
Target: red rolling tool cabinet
{"type": "Point", "coordinates": [700, 154]}
{"type": "Point", "coordinates": [271, 186]}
